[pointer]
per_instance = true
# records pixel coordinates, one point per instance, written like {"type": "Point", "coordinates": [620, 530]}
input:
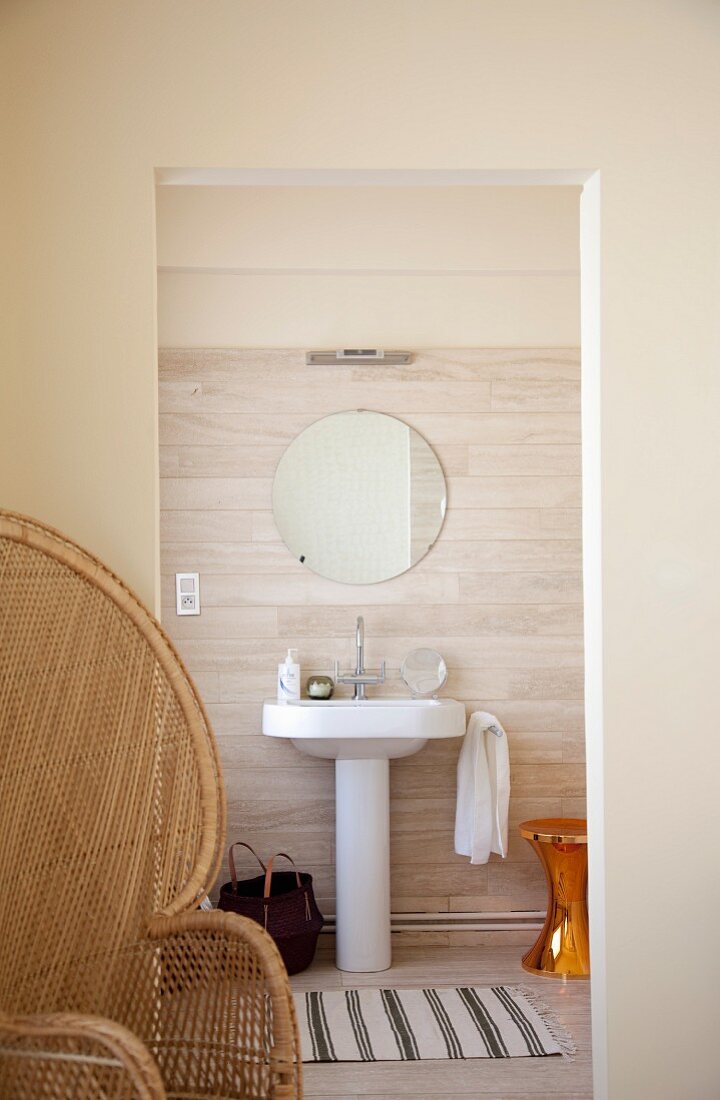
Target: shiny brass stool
{"type": "Point", "coordinates": [562, 949]}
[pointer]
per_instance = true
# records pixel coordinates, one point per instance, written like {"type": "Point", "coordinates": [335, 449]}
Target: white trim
{"type": "Point", "coordinates": [590, 309]}
{"type": "Point", "coordinates": [471, 273]}
{"type": "Point", "coordinates": [363, 177]}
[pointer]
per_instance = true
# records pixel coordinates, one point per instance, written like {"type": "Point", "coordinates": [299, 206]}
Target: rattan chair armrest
{"type": "Point", "coordinates": [232, 970]}
{"type": "Point", "coordinates": [67, 1054]}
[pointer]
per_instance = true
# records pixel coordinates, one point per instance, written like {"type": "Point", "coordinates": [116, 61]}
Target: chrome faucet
{"type": "Point", "coordinates": [359, 678]}
{"type": "Point", "coordinates": [360, 645]}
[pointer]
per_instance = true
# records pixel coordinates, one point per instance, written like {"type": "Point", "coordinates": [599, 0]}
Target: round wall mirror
{"type": "Point", "coordinates": [424, 671]}
{"type": "Point", "coordinates": [359, 497]}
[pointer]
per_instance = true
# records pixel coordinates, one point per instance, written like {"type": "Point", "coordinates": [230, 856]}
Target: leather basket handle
{"type": "Point", "coordinates": [269, 871]}
{"type": "Point", "coordinates": [231, 862]}
{"type": "Point", "coordinates": [268, 884]}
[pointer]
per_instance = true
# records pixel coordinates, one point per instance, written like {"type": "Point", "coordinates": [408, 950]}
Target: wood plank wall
{"type": "Point", "coordinates": [500, 594]}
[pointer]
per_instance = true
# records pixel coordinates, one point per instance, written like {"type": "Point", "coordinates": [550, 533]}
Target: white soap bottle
{"type": "Point", "coordinates": [288, 687]}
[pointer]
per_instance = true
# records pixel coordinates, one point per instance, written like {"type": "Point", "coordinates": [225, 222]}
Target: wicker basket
{"type": "Point", "coordinates": [283, 902]}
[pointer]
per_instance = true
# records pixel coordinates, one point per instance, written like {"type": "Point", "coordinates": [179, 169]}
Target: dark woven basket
{"type": "Point", "coordinates": [283, 902]}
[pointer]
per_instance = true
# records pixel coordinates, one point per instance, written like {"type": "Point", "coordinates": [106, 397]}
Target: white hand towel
{"type": "Point", "coordinates": [483, 790]}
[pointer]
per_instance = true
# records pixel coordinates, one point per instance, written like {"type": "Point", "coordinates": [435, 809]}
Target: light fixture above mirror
{"type": "Point", "coordinates": [355, 356]}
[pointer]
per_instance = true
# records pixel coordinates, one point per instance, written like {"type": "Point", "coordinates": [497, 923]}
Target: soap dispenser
{"type": "Point", "coordinates": [288, 687]}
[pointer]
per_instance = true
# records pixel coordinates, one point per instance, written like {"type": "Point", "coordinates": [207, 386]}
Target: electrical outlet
{"type": "Point", "coordinates": [187, 593]}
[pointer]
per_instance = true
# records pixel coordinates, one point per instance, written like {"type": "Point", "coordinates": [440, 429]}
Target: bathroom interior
{"type": "Point", "coordinates": [458, 312]}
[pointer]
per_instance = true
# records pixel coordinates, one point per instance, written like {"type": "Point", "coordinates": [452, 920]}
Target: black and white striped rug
{"type": "Point", "coordinates": [404, 1025]}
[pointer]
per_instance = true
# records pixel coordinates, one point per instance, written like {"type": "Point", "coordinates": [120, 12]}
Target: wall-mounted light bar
{"type": "Point", "coordinates": [357, 355]}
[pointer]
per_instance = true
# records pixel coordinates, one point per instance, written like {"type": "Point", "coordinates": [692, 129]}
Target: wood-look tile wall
{"type": "Point", "coordinates": [500, 594]}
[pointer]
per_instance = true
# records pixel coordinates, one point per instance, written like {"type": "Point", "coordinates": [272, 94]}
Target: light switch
{"type": "Point", "coordinates": [187, 593]}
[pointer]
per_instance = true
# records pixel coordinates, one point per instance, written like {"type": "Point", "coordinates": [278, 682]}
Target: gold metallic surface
{"type": "Point", "coordinates": [562, 949]}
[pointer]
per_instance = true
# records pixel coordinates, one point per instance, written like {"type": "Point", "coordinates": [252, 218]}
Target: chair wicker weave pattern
{"type": "Point", "coordinates": [96, 1062]}
{"type": "Point", "coordinates": [112, 819]}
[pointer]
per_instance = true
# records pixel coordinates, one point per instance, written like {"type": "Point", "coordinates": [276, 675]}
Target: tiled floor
{"type": "Point", "coordinates": [506, 1079]}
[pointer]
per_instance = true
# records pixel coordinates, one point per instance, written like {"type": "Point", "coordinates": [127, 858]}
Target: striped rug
{"type": "Point", "coordinates": [405, 1025]}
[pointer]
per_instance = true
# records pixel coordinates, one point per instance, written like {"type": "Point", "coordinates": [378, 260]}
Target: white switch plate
{"type": "Point", "coordinates": [187, 593]}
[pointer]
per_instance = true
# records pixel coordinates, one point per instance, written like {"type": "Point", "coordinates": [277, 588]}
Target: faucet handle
{"type": "Point", "coordinates": [368, 677]}
{"type": "Point", "coordinates": [371, 677]}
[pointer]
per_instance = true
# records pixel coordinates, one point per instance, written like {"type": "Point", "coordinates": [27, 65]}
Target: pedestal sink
{"type": "Point", "coordinates": [362, 736]}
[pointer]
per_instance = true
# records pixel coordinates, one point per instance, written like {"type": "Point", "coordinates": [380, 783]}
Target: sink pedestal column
{"type": "Point", "coordinates": [362, 860]}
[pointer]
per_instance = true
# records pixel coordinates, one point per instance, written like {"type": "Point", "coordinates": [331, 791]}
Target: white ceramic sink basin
{"type": "Point", "coordinates": [370, 729]}
{"type": "Point", "coordinates": [362, 736]}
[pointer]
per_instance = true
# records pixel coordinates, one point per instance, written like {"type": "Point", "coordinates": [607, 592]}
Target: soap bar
{"type": "Point", "coordinates": [320, 687]}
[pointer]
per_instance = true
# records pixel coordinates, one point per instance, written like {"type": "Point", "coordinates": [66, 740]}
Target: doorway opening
{"type": "Point", "coordinates": [482, 275]}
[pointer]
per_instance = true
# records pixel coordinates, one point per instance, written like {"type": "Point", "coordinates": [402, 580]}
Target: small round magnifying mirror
{"type": "Point", "coordinates": [424, 671]}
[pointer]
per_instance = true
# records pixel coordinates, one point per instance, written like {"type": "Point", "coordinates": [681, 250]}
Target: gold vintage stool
{"type": "Point", "coordinates": [562, 949]}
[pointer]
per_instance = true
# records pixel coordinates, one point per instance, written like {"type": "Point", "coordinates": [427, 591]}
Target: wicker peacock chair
{"type": "Point", "coordinates": [112, 818]}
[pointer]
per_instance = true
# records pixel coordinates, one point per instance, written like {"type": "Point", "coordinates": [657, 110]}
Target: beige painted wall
{"type": "Point", "coordinates": [347, 266]}
{"type": "Point", "coordinates": [499, 594]}
{"type": "Point", "coordinates": [99, 93]}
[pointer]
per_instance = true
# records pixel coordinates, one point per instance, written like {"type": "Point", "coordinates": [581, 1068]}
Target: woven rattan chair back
{"type": "Point", "coordinates": [111, 802]}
